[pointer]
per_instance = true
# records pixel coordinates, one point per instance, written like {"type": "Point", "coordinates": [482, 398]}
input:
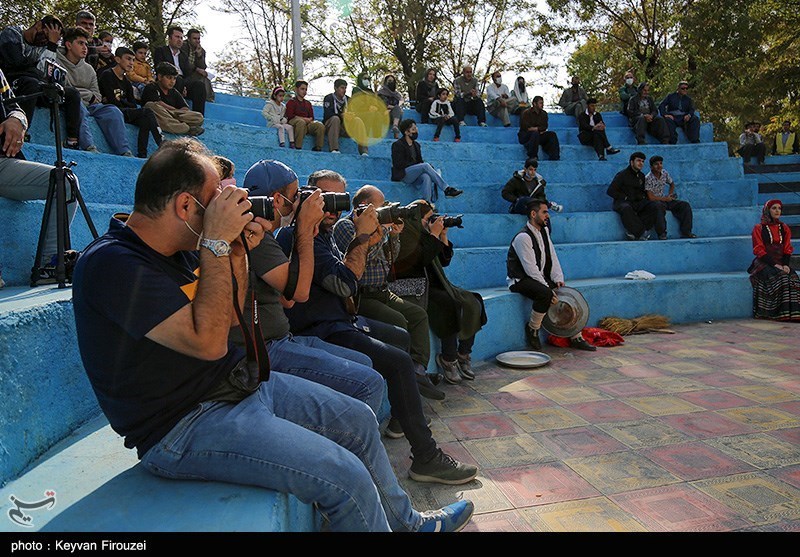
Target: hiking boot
{"type": "Point", "coordinates": [449, 370]}
{"type": "Point", "coordinates": [450, 191]}
{"type": "Point", "coordinates": [451, 518]}
{"type": "Point", "coordinates": [579, 343]}
{"type": "Point", "coordinates": [465, 367]}
{"type": "Point", "coordinates": [395, 431]}
{"type": "Point", "coordinates": [532, 338]}
{"type": "Point", "coordinates": [442, 469]}
{"type": "Point", "coordinates": [427, 388]}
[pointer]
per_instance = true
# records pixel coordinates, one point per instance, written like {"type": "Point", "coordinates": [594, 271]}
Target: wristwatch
{"type": "Point", "coordinates": [220, 248]}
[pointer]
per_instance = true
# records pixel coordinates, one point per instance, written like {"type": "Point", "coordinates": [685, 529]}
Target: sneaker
{"type": "Point", "coordinates": [395, 431]}
{"type": "Point", "coordinates": [532, 338]}
{"type": "Point", "coordinates": [2, 282]}
{"type": "Point", "coordinates": [317, 149]}
{"type": "Point", "coordinates": [629, 236]}
{"type": "Point", "coordinates": [612, 151]}
{"type": "Point", "coordinates": [442, 469]}
{"type": "Point", "coordinates": [396, 132]}
{"type": "Point", "coordinates": [92, 149]}
{"type": "Point", "coordinates": [449, 370]}
{"type": "Point", "coordinates": [451, 518]}
{"type": "Point", "coordinates": [71, 145]}
{"type": "Point", "coordinates": [579, 343]}
{"type": "Point", "coordinates": [482, 124]}
{"type": "Point", "coordinates": [127, 154]}
{"type": "Point", "coordinates": [291, 145]}
{"type": "Point", "coordinates": [450, 191]}
{"type": "Point", "coordinates": [458, 140]}
{"type": "Point", "coordinates": [282, 144]}
{"type": "Point", "coordinates": [462, 123]}
{"type": "Point", "coordinates": [427, 388]}
{"type": "Point", "coordinates": [436, 138]}
{"type": "Point", "coordinates": [689, 236]}
{"type": "Point", "coordinates": [195, 130]}
{"type": "Point", "coordinates": [602, 158]}
{"type": "Point", "coordinates": [465, 367]}
{"type": "Point", "coordinates": [645, 236]}
{"type": "Point", "coordinates": [364, 154]}
{"type": "Point", "coordinates": [662, 236]}
{"type": "Point", "coordinates": [335, 151]}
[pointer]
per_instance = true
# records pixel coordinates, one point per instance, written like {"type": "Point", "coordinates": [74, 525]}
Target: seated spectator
{"type": "Point", "coordinates": [377, 302]}
{"type": "Point", "coordinates": [274, 112]}
{"type": "Point", "coordinates": [115, 89]}
{"type": "Point", "coordinates": [786, 141]}
{"type": "Point", "coordinates": [193, 90]}
{"type": "Point", "coordinates": [655, 182]}
{"type": "Point", "coordinates": [533, 270]}
{"type": "Point", "coordinates": [86, 20]}
{"type": "Point", "coordinates": [23, 53]}
{"type": "Point", "coordinates": [592, 131]}
{"type": "Point", "coordinates": [283, 432]}
{"type": "Point", "coordinates": [23, 180]}
{"type": "Point", "coordinates": [196, 55]}
{"type": "Point", "coordinates": [368, 107]}
{"type": "Point", "coordinates": [168, 104]}
{"type": "Point", "coordinates": [339, 121]}
{"type": "Point", "coordinates": [455, 314]}
{"type": "Point", "coordinates": [520, 94]}
{"type": "Point", "coordinates": [627, 91]}
{"type": "Point", "coordinates": [409, 167]}
{"type": "Point", "coordinates": [533, 132]}
{"type": "Point", "coordinates": [467, 98]}
{"type": "Point", "coordinates": [393, 100]}
{"type": "Point", "coordinates": [300, 115]}
{"type": "Point", "coordinates": [524, 185]}
{"type": "Point", "coordinates": [142, 73]}
{"type": "Point", "coordinates": [344, 370]}
{"type": "Point", "coordinates": [327, 316]}
{"type": "Point", "coordinates": [574, 100]}
{"type": "Point", "coordinates": [638, 213]}
{"type": "Point", "coordinates": [426, 94]}
{"type": "Point", "coordinates": [752, 144]}
{"type": "Point", "coordinates": [499, 101]}
{"type": "Point", "coordinates": [82, 77]}
{"type": "Point", "coordinates": [105, 53]}
{"type": "Point", "coordinates": [442, 114]}
{"type": "Point", "coordinates": [775, 283]}
{"type": "Point", "coordinates": [644, 118]}
{"type": "Point", "coordinates": [679, 112]}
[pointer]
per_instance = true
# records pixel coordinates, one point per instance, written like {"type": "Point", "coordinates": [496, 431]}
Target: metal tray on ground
{"type": "Point", "coordinates": [523, 359]}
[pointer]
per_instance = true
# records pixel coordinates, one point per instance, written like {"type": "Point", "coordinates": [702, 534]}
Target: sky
{"type": "Point", "coordinates": [221, 28]}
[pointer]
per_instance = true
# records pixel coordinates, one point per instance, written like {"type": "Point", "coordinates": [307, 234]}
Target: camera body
{"type": "Point", "coordinates": [262, 206]}
{"type": "Point", "coordinates": [448, 221]}
{"type": "Point", "coordinates": [332, 202]}
{"type": "Point", "coordinates": [54, 73]}
{"type": "Point", "coordinates": [393, 213]}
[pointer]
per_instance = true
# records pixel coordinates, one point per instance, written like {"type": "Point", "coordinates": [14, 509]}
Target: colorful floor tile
{"type": "Point", "coordinates": [637, 434]}
{"type": "Point", "coordinates": [606, 411]}
{"type": "Point", "coordinates": [703, 425]}
{"type": "Point", "coordinates": [760, 498]}
{"type": "Point", "coordinates": [541, 484]}
{"type": "Point", "coordinates": [506, 452]}
{"type": "Point", "coordinates": [546, 417]}
{"type": "Point", "coordinates": [762, 417]}
{"type": "Point", "coordinates": [695, 461]}
{"type": "Point", "coordinates": [481, 425]}
{"type": "Point", "coordinates": [597, 514]}
{"type": "Point", "coordinates": [715, 399]}
{"type": "Point", "coordinates": [578, 441]}
{"type": "Point", "coordinates": [621, 471]}
{"type": "Point", "coordinates": [759, 449]}
{"type": "Point", "coordinates": [662, 405]}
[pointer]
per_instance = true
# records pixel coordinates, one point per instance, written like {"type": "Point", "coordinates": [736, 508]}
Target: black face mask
{"type": "Point", "coordinates": [414, 136]}
{"type": "Point", "coordinates": [391, 85]}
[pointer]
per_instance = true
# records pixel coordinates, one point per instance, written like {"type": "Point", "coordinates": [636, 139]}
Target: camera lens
{"type": "Point", "coordinates": [262, 207]}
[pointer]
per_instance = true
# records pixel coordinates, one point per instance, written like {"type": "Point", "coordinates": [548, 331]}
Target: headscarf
{"type": "Point", "coordinates": [766, 217]}
{"type": "Point", "coordinates": [520, 92]}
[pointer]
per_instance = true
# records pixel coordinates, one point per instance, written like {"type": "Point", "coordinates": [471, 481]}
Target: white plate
{"type": "Point", "coordinates": [523, 359]}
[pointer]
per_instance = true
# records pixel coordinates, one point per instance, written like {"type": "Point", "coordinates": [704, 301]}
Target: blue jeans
{"type": "Point", "coordinates": [293, 436]}
{"type": "Point", "coordinates": [342, 369]}
{"type": "Point", "coordinates": [111, 123]}
{"type": "Point", "coordinates": [424, 177]}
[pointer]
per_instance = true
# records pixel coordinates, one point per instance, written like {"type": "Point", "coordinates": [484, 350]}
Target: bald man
{"type": "Point", "coordinates": [467, 99]}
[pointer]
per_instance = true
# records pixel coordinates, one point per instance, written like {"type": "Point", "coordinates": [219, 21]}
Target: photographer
{"type": "Point", "coordinates": [375, 301]}
{"type": "Point", "coordinates": [341, 369]}
{"type": "Point", "coordinates": [23, 57]}
{"type": "Point", "coordinates": [153, 316]}
{"type": "Point", "coordinates": [328, 315]}
{"type": "Point", "coordinates": [455, 314]}
{"type": "Point", "coordinates": [20, 179]}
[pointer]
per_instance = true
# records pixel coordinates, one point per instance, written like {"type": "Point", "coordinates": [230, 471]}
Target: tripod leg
{"type": "Point", "coordinates": [76, 194]}
{"type": "Point", "coordinates": [48, 208]}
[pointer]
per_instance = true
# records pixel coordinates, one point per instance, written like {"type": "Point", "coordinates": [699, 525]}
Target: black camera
{"type": "Point", "coordinates": [332, 202]}
{"type": "Point", "coordinates": [448, 221]}
{"type": "Point", "coordinates": [262, 207]}
{"type": "Point", "coordinates": [393, 213]}
{"type": "Point", "coordinates": [54, 74]}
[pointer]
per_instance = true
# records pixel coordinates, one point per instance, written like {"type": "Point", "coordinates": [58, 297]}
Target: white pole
{"type": "Point", "coordinates": [296, 39]}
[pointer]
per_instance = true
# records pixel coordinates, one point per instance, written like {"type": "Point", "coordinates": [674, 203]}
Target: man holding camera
{"type": "Point", "coordinates": [375, 301]}
{"type": "Point", "coordinates": [328, 315]}
{"type": "Point", "coordinates": [283, 284]}
{"type": "Point", "coordinates": [535, 272]}
{"type": "Point", "coordinates": [23, 180]}
{"type": "Point", "coordinates": [153, 317]}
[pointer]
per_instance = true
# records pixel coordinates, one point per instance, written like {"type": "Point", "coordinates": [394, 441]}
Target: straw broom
{"type": "Point", "coordinates": [639, 325]}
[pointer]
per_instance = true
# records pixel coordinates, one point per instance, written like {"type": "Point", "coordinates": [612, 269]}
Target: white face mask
{"type": "Point", "coordinates": [286, 220]}
{"type": "Point", "coordinates": [189, 226]}
{"type": "Point", "coordinates": [498, 80]}
{"type": "Point", "coordinates": [629, 81]}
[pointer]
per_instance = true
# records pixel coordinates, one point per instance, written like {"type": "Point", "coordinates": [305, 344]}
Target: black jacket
{"type": "Point", "coordinates": [583, 121]}
{"type": "Point", "coordinates": [164, 54]}
{"type": "Point", "coordinates": [628, 185]}
{"type": "Point", "coordinates": [634, 110]}
{"type": "Point", "coordinates": [402, 157]}
{"type": "Point", "coordinates": [517, 187]}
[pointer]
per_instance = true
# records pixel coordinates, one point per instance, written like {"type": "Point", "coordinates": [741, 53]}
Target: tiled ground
{"type": "Point", "coordinates": [693, 431]}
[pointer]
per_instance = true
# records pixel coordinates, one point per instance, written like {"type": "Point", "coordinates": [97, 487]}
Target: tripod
{"type": "Point", "coordinates": [57, 193]}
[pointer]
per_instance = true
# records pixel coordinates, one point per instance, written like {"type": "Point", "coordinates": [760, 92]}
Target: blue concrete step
{"type": "Point", "coordinates": [611, 259]}
{"type": "Point", "coordinates": [683, 298]}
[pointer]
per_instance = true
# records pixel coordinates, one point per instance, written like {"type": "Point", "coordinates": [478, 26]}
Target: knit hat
{"type": "Point", "coordinates": [268, 176]}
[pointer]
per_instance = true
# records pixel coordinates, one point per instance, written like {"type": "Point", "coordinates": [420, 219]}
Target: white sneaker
{"type": "Point", "coordinates": [335, 151]}
{"type": "Point", "coordinates": [462, 123]}
{"type": "Point", "coordinates": [483, 124]}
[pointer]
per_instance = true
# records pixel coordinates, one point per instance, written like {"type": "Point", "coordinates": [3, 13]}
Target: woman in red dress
{"type": "Point", "coordinates": [776, 287]}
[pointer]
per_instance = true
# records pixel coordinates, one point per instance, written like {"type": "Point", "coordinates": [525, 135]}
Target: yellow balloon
{"type": "Point", "coordinates": [366, 119]}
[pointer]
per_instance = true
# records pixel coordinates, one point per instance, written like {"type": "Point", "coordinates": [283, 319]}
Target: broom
{"type": "Point", "coordinates": [639, 325]}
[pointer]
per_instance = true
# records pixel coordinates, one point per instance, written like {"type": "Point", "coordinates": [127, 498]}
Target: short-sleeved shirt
{"type": "Point", "coordinates": [657, 185]}
{"type": "Point", "coordinates": [153, 93]}
{"type": "Point", "coordinates": [122, 289]}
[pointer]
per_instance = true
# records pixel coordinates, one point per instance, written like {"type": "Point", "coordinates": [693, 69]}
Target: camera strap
{"type": "Point", "coordinates": [294, 269]}
{"type": "Point", "coordinates": [257, 355]}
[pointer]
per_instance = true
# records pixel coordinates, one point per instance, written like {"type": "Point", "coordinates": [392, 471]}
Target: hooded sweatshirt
{"type": "Point", "coordinates": [81, 76]}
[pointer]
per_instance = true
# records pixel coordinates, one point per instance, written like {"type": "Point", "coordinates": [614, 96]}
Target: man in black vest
{"type": "Point", "coordinates": [535, 272]}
